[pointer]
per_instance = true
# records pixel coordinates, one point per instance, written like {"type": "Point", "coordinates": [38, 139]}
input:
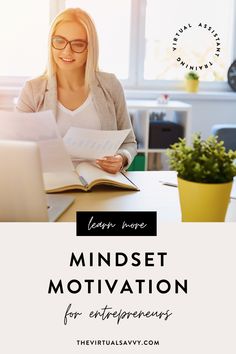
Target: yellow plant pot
{"type": "Point", "coordinates": [191, 85]}
{"type": "Point", "coordinates": [203, 202]}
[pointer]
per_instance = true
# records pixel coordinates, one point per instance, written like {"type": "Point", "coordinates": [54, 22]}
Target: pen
{"type": "Point", "coordinates": [169, 184]}
{"type": "Point", "coordinates": [83, 181]}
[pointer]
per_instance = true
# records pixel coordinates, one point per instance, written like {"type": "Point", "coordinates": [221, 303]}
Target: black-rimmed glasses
{"type": "Point", "coordinates": [76, 45]}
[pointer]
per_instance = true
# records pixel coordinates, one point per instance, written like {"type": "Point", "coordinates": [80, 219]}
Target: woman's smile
{"type": "Point", "coordinates": [67, 60]}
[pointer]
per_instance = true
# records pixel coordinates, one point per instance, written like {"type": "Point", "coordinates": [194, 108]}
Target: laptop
{"type": "Point", "coordinates": [22, 195]}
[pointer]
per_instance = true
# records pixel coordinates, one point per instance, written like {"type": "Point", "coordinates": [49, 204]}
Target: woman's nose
{"type": "Point", "coordinates": [67, 49]}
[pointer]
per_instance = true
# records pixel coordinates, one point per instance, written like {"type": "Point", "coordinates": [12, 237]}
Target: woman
{"type": "Point", "coordinates": [76, 91]}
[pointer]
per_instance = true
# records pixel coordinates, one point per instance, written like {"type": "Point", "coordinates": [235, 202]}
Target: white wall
{"type": "Point", "coordinates": [207, 113]}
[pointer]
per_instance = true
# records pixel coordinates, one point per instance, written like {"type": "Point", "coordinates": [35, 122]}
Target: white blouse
{"type": "Point", "coordinates": [84, 116]}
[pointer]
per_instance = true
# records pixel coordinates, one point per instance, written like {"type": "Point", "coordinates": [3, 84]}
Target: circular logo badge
{"type": "Point", "coordinates": [196, 46]}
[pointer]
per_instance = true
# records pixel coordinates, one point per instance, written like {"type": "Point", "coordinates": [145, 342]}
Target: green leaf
{"type": "Point", "coordinates": [205, 161]}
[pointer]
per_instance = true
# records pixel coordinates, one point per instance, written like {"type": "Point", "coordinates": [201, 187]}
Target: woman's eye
{"type": "Point", "coordinates": [78, 45]}
{"type": "Point", "coordinates": [59, 40]}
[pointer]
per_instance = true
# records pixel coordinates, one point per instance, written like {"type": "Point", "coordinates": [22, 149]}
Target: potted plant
{"type": "Point", "coordinates": [191, 81]}
{"type": "Point", "coordinates": [205, 174]}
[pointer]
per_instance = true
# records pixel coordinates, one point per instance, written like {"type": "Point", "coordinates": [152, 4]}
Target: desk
{"type": "Point", "coordinates": [152, 196]}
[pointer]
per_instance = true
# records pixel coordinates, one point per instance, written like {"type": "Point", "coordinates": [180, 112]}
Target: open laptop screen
{"type": "Point", "coordinates": [22, 196]}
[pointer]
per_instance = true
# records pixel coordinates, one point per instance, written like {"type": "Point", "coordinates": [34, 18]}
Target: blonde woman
{"type": "Point", "coordinates": [76, 91]}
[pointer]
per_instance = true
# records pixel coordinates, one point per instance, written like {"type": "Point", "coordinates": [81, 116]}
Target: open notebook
{"type": "Point", "coordinates": [57, 166]}
{"type": "Point", "coordinates": [85, 176]}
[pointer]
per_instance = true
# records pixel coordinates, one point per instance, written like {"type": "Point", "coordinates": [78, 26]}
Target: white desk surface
{"type": "Point", "coordinates": [153, 195]}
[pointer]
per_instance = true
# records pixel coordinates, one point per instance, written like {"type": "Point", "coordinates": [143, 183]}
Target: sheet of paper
{"type": "Point", "coordinates": [93, 144]}
{"type": "Point", "coordinates": [40, 127]}
{"type": "Point", "coordinates": [54, 156]}
{"type": "Point", "coordinates": [28, 126]}
{"type": "Point", "coordinates": [233, 191]}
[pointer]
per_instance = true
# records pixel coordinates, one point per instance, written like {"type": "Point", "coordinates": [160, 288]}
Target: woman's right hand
{"type": "Point", "coordinates": [112, 164]}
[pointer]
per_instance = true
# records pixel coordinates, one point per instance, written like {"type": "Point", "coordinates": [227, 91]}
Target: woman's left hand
{"type": "Point", "coordinates": [111, 164]}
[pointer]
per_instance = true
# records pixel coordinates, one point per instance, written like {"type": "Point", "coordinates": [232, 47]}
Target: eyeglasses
{"type": "Point", "coordinates": [76, 45]}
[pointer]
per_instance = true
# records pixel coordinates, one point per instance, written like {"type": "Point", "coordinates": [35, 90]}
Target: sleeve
{"type": "Point", "coordinates": [129, 146]}
{"type": "Point", "coordinates": [25, 102]}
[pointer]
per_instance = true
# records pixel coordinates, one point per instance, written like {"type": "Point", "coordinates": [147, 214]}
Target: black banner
{"type": "Point", "coordinates": [116, 223]}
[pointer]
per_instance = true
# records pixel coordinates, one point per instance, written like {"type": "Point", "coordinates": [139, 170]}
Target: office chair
{"type": "Point", "coordinates": [227, 133]}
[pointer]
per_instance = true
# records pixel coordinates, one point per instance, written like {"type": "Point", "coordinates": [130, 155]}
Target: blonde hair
{"type": "Point", "coordinates": [80, 16]}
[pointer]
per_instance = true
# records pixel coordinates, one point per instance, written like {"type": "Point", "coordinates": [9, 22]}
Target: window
{"type": "Point", "coordinates": [112, 20]}
{"type": "Point", "coordinates": [24, 28]}
{"type": "Point", "coordinates": [198, 36]}
{"type": "Point", "coordinates": [137, 39]}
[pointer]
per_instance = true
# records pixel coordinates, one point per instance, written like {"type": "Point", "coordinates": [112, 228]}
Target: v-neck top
{"type": "Point", "coordinates": [85, 116]}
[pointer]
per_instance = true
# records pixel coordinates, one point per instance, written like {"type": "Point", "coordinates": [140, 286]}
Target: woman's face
{"type": "Point", "coordinates": [67, 59]}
